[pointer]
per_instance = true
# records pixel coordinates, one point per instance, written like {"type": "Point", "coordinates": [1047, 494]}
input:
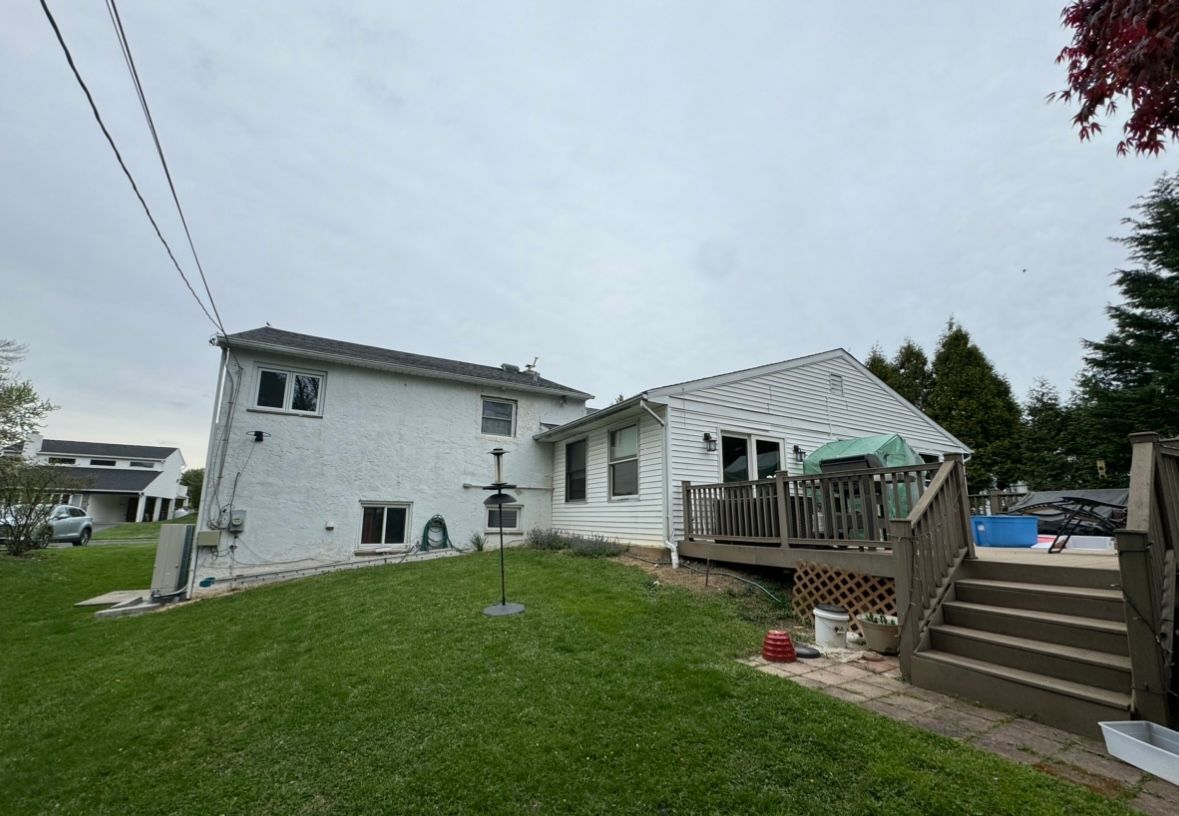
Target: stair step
{"type": "Point", "coordinates": [1088, 602]}
{"type": "Point", "coordinates": [1102, 573]}
{"type": "Point", "coordinates": [1053, 627]}
{"type": "Point", "coordinates": [1076, 707]}
{"type": "Point", "coordinates": [1075, 664]}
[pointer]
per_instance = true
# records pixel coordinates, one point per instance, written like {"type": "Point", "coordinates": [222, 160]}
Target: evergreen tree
{"type": "Point", "coordinates": [1131, 378]}
{"type": "Point", "coordinates": [913, 378]}
{"type": "Point", "coordinates": [879, 365]}
{"type": "Point", "coordinates": [973, 402]}
{"type": "Point", "coordinates": [1053, 456]}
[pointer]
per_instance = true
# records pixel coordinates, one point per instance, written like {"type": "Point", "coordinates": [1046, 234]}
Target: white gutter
{"type": "Point", "coordinates": [667, 531]}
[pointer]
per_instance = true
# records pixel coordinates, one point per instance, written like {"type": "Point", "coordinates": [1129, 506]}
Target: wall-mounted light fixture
{"type": "Point", "coordinates": [258, 435]}
{"type": "Point", "coordinates": [799, 454]}
{"type": "Point", "coordinates": [709, 442]}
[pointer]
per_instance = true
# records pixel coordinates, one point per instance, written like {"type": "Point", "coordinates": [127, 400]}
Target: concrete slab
{"type": "Point", "coordinates": [118, 596]}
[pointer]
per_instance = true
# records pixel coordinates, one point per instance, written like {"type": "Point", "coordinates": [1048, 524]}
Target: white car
{"type": "Point", "coordinates": [65, 523]}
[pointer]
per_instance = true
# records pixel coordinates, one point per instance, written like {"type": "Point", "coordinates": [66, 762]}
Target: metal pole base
{"type": "Point", "coordinates": [501, 609]}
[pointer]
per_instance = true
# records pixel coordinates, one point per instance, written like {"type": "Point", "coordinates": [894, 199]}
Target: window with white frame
{"type": "Point", "coordinates": [749, 457]}
{"type": "Point", "coordinates": [61, 460]}
{"type": "Point", "coordinates": [624, 461]}
{"type": "Point", "coordinates": [384, 525]}
{"type": "Point", "coordinates": [134, 463]}
{"type": "Point", "coordinates": [103, 463]}
{"type": "Point", "coordinates": [575, 453]}
{"type": "Point", "coordinates": [290, 391]}
{"type": "Point", "coordinates": [510, 514]}
{"type": "Point", "coordinates": [499, 417]}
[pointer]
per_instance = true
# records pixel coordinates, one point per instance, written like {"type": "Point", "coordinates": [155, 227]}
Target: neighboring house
{"type": "Point", "coordinates": [327, 454]}
{"type": "Point", "coordinates": [114, 482]}
{"type": "Point", "coordinates": [332, 453]}
{"type": "Point", "coordinates": [619, 471]}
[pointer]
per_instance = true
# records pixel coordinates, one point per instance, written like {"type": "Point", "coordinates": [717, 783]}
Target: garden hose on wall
{"type": "Point", "coordinates": [436, 524]}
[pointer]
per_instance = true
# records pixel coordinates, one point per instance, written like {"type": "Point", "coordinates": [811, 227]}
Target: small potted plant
{"type": "Point", "coordinates": [882, 633]}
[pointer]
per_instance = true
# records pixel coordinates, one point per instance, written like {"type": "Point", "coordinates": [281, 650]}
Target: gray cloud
{"type": "Point", "coordinates": [635, 194]}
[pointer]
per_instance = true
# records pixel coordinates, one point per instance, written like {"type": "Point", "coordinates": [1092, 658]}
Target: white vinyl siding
{"type": "Point", "coordinates": [794, 405]}
{"type": "Point", "coordinates": [637, 519]}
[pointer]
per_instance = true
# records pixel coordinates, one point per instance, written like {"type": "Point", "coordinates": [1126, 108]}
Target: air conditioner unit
{"type": "Point", "coordinates": [173, 554]}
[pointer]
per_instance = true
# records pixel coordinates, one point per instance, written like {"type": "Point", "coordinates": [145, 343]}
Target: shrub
{"type": "Point", "coordinates": [594, 546]}
{"type": "Point", "coordinates": [539, 539]}
{"type": "Point", "coordinates": [477, 541]}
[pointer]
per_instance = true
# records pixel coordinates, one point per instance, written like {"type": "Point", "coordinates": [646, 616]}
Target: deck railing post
{"type": "Point", "coordinates": [687, 508]}
{"type": "Point", "coordinates": [783, 509]}
{"type": "Point", "coordinates": [1148, 668]}
{"type": "Point", "coordinates": [900, 534]}
{"type": "Point", "coordinates": [963, 501]}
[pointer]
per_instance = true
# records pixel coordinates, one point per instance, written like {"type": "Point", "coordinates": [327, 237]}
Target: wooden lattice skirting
{"type": "Point", "coordinates": [857, 593]}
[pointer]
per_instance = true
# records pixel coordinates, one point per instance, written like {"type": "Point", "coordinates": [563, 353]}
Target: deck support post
{"type": "Point", "coordinates": [900, 535]}
{"type": "Point", "coordinates": [784, 525]}
{"type": "Point", "coordinates": [1147, 660]}
{"type": "Point", "coordinates": [687, 509]}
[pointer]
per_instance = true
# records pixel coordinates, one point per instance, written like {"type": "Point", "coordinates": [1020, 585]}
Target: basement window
{"type": "Point", "coordinates": [383, 525]}
{"type": "Point", "coordinates": [511, 517]}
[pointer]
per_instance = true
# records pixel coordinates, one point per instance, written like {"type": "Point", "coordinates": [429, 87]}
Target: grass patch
{"type": "Point", "coordinates": [386, 690]}
{"type": "Point", "coordinates": [147, 530]}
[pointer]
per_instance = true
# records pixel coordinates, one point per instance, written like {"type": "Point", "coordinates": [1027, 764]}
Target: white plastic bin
{"type": "Point", "coordinates": [1144, 745]}
{"type": "Point", "coordinates": [831, 627]}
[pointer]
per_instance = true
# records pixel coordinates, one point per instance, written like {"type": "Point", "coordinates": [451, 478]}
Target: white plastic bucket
{"type": "Point", "coordinates": [831, 627]}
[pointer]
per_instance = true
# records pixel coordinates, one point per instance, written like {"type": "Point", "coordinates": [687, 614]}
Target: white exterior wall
{"type": "Point", "coordinates": [111, 508]}
{"type": "Point", "coordinates": [382, 437]}
{"type": "Point", "coordinates": [794, 406]}
{"type": "Point", "coordinates": [630, 520]}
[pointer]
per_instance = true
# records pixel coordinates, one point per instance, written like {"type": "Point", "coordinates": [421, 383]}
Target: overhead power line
{"type": "Point", "coordinates": [98, 118]}
{"type": "Point", "coordinates": [117, 22]}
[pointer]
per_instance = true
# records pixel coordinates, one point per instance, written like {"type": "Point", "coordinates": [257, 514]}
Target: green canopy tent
{"type": "Point", "coordinates": [890, 449]}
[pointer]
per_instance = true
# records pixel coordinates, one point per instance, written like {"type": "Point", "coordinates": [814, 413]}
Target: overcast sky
{"type": "Point", "coordinates": [635, 193]}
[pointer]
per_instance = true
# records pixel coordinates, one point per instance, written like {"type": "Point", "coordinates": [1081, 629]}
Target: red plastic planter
{"type": "Point", "coordinates": [778, 647]}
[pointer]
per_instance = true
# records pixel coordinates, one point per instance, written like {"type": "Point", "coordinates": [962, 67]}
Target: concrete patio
{"type": "Point", "coordinates": [874, 682]}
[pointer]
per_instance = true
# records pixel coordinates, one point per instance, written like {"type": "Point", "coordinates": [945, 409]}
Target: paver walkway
{"type": "Point", "coordinates": [877, 686]}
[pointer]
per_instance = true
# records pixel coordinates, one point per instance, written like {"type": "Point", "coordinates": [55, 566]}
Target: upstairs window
{"type": "Point", "coordinates": [102, 462]}
{"type": "Point", "coordinates": [133, 463]}
{"type": "Point", "coordinates": [295, 392]}
{"type": "Point", "coordinates": [575, 471]}
{"type": "Point", "coordinates": [61, 460]}
{"type": "Point", "coordinates": [624, 461]}
{"type": "Point", "coordinates": [499, 417]}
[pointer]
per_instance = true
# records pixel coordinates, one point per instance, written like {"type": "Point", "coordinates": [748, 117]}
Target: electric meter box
{"type": "Point", "coordinates": [237, 521]}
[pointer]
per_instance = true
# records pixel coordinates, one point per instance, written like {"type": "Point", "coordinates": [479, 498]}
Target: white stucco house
{"type": "Point", "coordinates": [326, 454]}
{"type": "Point", "coordinates": [112, 481]}
{"type": "Point", "coordinates": [333, 454]}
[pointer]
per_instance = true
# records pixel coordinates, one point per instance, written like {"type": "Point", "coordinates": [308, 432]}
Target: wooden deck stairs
{"type": "Point", "coordinates": [1039, 637]}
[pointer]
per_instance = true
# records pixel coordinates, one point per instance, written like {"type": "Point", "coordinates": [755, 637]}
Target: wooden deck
{"type": "Point", "coordinates": [1084, 559]}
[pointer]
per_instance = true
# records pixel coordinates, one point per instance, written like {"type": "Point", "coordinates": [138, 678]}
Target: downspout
{"type": "Point", "coordinates": [667, 531]}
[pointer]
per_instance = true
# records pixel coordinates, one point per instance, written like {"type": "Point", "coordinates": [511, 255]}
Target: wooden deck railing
{"type": "Point", "coordinates": [1146, 555]}
{"type": "Point", "coordinates": [839, 509]}
{"type": "Point", "coordinates": [928, 546]}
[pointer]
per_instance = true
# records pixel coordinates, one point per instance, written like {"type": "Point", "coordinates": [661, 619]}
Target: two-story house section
{"type": "Point", "coordinates": [326, 454]}
{"type": "Point", "coordinates": [115, 482]}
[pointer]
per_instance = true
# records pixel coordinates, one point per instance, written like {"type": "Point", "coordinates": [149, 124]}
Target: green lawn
{"type": "Point", "coordinates": [147, 530]}
{"type": "Point", "coordinates": [386, 691]}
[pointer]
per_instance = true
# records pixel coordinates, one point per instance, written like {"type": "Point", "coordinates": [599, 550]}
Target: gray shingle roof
{"type": "Point", "coordinates": [109, 480]}
{"type": "Point", "coordinates": [401, 359]}
{"type": "Point", "coordinates": [112, 449]}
